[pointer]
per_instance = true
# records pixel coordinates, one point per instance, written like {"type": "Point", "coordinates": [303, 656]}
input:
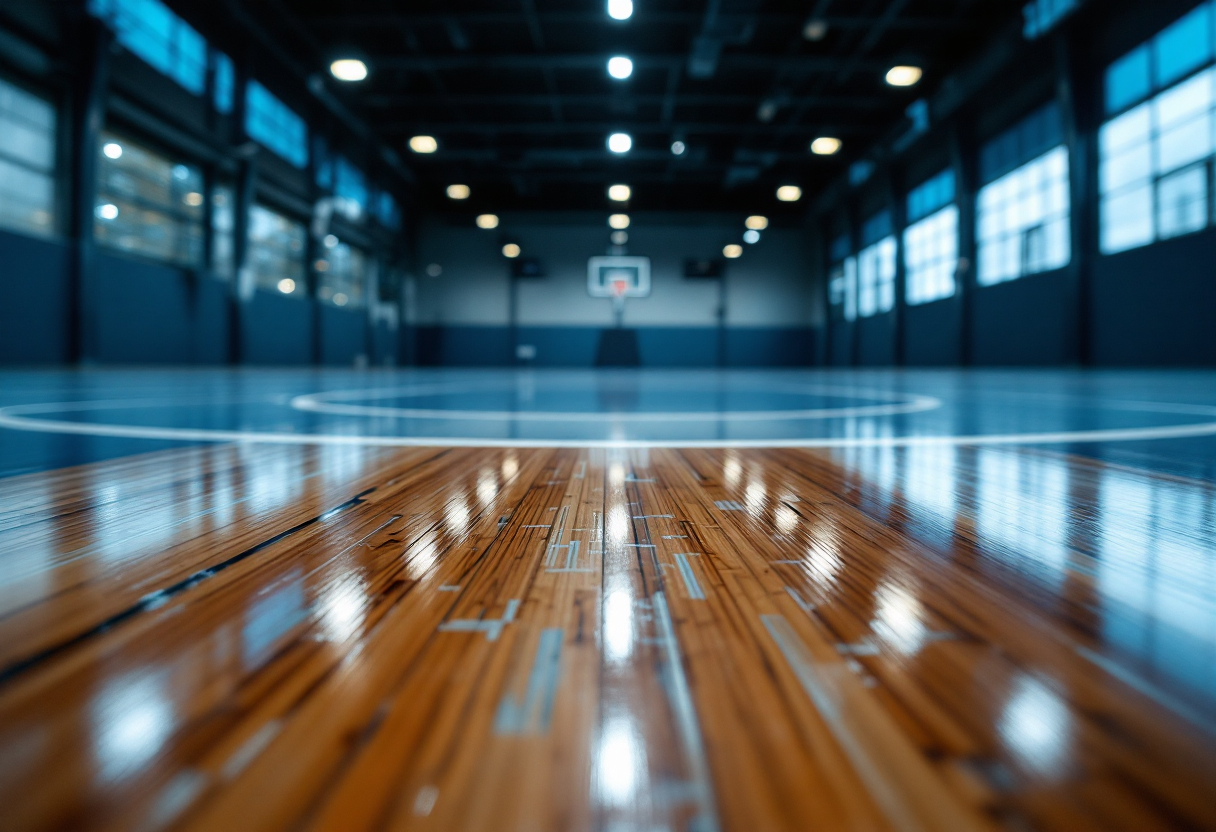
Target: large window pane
{"type": "Point", "coordinates": [272, 124]}
{"type": "Point", "coordinates": [1023, 218]}
{"type": "Point", "coordinates": [223, 224]}
{"type": "Point", "coordinates": [931, 256]}
{"type": "Point", "coordinates": [148, 204]}
{"type": "Point", "coordinates": [842, 287]}
{"type": "Point", "coordinates": [1128, 80]}
{"type": "Point", "coordinates": [1183, 47]}
{"type": "Point", "coordinates": [1182, 202]}
{"type": "Point", "coordinates": [150, 30]}
{"type": "Point", "coordinates": [276, 252]}
{"type": "Point", "coordinates": [343, 277]}
{"type": "Point", "coordinates": [27, 162]}
{"type": "Point", "coordinates": [876, 278]}
{"type": "Point", "coordinates": [1127, 219]}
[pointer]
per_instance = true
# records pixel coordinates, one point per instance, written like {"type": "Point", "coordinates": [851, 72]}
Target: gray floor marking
{"type": "Point", "coordinates": [572, 555]}
{"type": "Point", "coordinates": [650, 516]}
{"type": "Point", "coordinates": [492, 627]}
{"type": "Point", "coordinates": [728, 505]}
{"type": "Point", "coordinates": [798, 599]}
{"type": "Point", "coordinates": [680, 696]}
{"type": "Point", "coordinates": [555, 539]}
{"type": "Point", "coordinates": [822, 683]}
{"type": "Point", "coordinates": [582, 471]}
{"type": "Point", "coordinates": [675, 537]}
{"type": "Point", "coordinates": [533, 714]}
{"type": "Point", "coordinates": [449, 588]}
{"type": "Point", "coordinates": [639, 545]}
{"type": "Point", "coordinates": [686, 574]}
{"type": "Point", "coordinates": [424, 801]}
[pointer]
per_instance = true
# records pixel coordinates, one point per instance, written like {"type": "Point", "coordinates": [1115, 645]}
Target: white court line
{"type": "Point", "coordinates": [897, 404]}
{"type": "Point", "coordinates": [15, 417]}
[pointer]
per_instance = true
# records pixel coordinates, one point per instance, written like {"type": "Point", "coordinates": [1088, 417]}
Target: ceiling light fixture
{"type": "Point", "coordinates": [826, 146]}
{"type": "Point", "coordinates": [458, 191]}
{"type": "Point", "coordinates": [751, 236]}
{"type": "Point", "coordinates": [815, 30]}
{"type": "Point", "coordinates": [620, 9]}
{"type": "Point", "coordinates": [620, 67]}
{"type": "Point", "coordinates": [487, 221]}
{"type": "Point", "coordinates": [113, 150]}
{"type": "Point", "coordinates": [904, 76]}
{"type": "Point", "coordinates": [678, 148]}
{"type": "Point", "coordinates": [424, 144]}
{"type": "Point", "coordinates": [756, 222]}
{"type": "Point", "coordinates": [789, 193]}
{"type": "Point", "coordinates": [348, 69]}
{"type": "Point", "coordinates": [619, 193]}
{"type": "Point", "coordinates": [732, 251]}
{"type": "Point", "coordinates": [620, 142]}
{"type": "Point", "coordinates": [619, 221]}
{"type": "Point", "coordinates": [510, 251]}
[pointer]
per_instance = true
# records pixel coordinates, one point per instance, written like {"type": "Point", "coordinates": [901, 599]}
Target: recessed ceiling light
{"type": "Point", "coordinates": [487, 221]}
{"type": "Point", "coordinates": [904, 76]}
{"type": "Point", "coordinates": [678, 148]}
{"type": "Point", "coordinates": [113, 150]}
{"type": "Point", "coordinates": [510, 250]}
{"type": "Point", "coordinates": [620, 67]}
{"type": "Point", "coordinates": [751, 236]}
{"type": "Point", "coordinates": [458, 191]}
{"type": "Point", "coordinates": [619, 193]}
{"type": "Point", "coordinates": [619, 221]}
{"type": "Point", "coordinates": [826, 146]}
{"type": "Point", "coordinates": [815, 29]}
{"type": "Point", "coordinates": [424, 144]}
{"type": "Point", "coordinates": [620, 9]}
{"type": "Point", "coordinates": [287, 285]}
{"type": "Point", "coordinates": [109, 211]}
{"type": "Point", "coordinates": [620, 142]}
{"type": "Point", "coordinates": [756, 223]}
{"type": "Point", "coordinates": [789, 193]}
{"type": "Point", "coordinates": [348, 69]}
{"type": "Point", "coordinates": [732, 251]}
{"type": "Point", "coordinates": [434, 270]}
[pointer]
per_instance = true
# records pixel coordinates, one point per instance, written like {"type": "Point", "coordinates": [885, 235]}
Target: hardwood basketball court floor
{"type": "Point", "coordinates": [243, 600]}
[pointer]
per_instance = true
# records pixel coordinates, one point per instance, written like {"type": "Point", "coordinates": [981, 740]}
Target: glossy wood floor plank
{"type": "Point", "coordinates": [430, 639]}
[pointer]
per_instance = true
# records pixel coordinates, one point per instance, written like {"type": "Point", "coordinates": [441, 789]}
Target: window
{"type": "Point", "coordinates": [224, 82]}
{"type": "Point", "coordinates": [223, 223]}
{"type": "Point", "coordinates": [842, 280]}
{"type": "Point", "coordinates": [350, 187]}
{"type": "Point", "coordinates": [147, 204]}
{"type": "Point", "coordinates": [876, 267]}
{"type": "Point", "coordinates": [343, 279]}
{"type": "Point", "coordinates": [27, 162]}
{"type": "Point", "coordinates": [1155, 155]}
{"type": "Point", "coordinates": [387, 211]}
{"type": "Point", "coordinates": [269, 122]}
{"type": "Point", "coordinates": [276, 252]}
{"type": "Point", "coordinates": [159, 37]}
{"type": "Point", "coordinates": [931, 241]}
{"type": "Point", "coordinates": [1024, 209]}
{"type": "Point", "coordinates": [1041, 16]}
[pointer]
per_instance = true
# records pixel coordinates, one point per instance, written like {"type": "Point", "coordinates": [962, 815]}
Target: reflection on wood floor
{"type": "Point", "coordinates": [264, 638]}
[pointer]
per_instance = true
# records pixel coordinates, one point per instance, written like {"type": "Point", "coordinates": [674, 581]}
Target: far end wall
{"type": "Point", "coordinates": [463, 316]}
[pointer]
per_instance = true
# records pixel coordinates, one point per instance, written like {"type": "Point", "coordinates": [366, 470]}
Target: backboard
{"type": "Point", "coordinates": [609, 277]}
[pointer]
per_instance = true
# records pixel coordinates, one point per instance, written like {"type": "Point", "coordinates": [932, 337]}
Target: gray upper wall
{"type": "Point", "coordinates": [770, 286]}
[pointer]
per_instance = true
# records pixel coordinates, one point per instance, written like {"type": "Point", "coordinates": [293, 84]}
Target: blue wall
{"type": "Point", "coordinates": [1025, 322]}
{"type": "Point", "coordinates": [876, 340]}
{"type": "Point", "coordinates": [933, 335]}
{"type": "Point", "coordinates": [146, 313]}
{"type": "Point", "coordinates": [33, 300]}
{"type": "Point", "coordinates": [491, 346]}
{"type": "Point", "coordinates": [343, 335]}
{"type": "Point", "coordinates": [276, 329]}
{"type": "Point", "coordinates": [1156, 305]}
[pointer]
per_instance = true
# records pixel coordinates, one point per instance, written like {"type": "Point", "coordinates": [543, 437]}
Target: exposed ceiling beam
{"type": "Point", "coordinates": [582, 60]}
{"type": "Point", "coordinates": [331, 20]}
{"type": "Point", "coordinates": [533, 128]}
{"type": "Point", "coordinates": [851, 102]}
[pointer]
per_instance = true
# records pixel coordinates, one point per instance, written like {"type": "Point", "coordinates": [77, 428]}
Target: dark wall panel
{"type": "Point", "coordinates": [757, 347]}
{"type": "Point", "coordinates": [933, 334]}
{"type": "Point", "coordinates": [210, 322]}
{"type": "Point", "coordinates": [678, 346]}
{"type": "Point", "coordinates": [464, 346]}
{"type": "Point", "coordinates": [276, 329]}
{"type": "Point", "coordinates": [1024, 322]}
{"type": "Point", "coordinates": [841, 344]}
{"type": "Point", "coordinates": [561, 346]}
{"type": "Point", "coordinates": [876, 341]}
{"type": "Point", "coordinates": [1156, 305]}
{"type": "Point", "coordinates": [343, 335]}
{"type": "Point", "coordinates": [384, 345]}
{"type": "Point", "coordinates": [33, 300]}
{"type": "Point", "coordinates": [144, 312]}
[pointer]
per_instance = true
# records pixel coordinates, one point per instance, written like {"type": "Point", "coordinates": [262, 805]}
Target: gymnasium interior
{"type": "Point", "coordinates": [608, 415]}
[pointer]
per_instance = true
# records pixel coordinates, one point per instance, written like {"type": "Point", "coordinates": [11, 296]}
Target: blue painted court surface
{"type": "Point", "coordinates": [1161, 421]}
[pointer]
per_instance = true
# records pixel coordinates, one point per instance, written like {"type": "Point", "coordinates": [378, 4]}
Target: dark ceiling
{"type": "Point", "coordinates": [517, 93]}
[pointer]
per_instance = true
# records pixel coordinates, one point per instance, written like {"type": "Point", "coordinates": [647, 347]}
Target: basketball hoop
{"type": "Point", "coordinates": [619, 287]}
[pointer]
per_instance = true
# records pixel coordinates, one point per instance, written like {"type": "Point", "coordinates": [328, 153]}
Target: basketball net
{"type": "Point", "coordinates": [619, 287]}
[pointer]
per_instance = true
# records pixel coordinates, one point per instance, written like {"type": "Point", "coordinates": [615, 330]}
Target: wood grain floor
{"type": "Point", "coordinates": [273, 638]}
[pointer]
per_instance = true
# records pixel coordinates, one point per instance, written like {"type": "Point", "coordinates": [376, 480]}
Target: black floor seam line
{"type": "Point", "coordinates": [162, 596]}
